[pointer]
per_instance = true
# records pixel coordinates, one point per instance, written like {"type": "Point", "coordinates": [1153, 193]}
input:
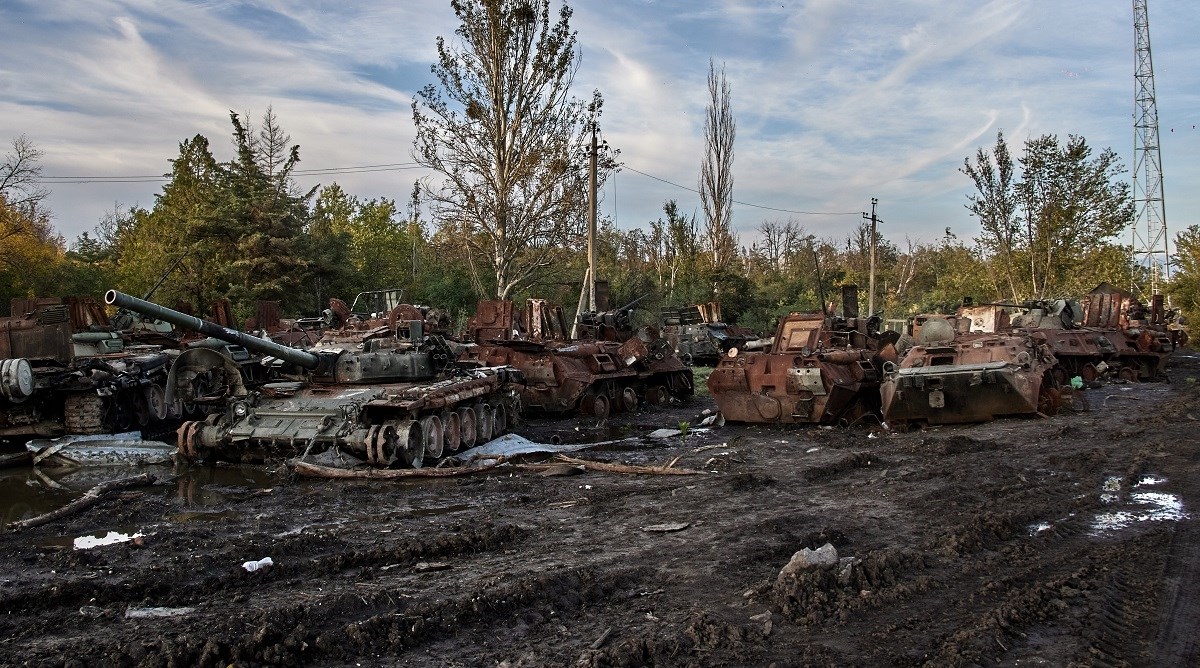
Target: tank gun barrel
{"type": "Point", "coordinates": [300, 358]}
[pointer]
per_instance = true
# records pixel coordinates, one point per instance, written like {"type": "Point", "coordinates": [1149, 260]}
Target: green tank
{"type": "Point", "coordinates": [391, 401]}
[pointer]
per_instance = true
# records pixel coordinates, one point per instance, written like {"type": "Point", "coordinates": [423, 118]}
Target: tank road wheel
{"type": "Point", "coordinates": [499, 418]}
{"type": "Point", "coordinates": [657, 395]}
{"type": "Point", "coordinates": [83, 413]}
{"type": "Point", "coordinates": [1128, 374]}
{"type": "Point", "coordinates": [156, 401]}
{"type": "Point", "coordinates": [484, 423]}
{"type": "Point", "coordinates": [381, 444]}
{"type": "Point", "coordinates": [451, 430]}
{"type": "Point", "coordinates": [185, 440]}
{"type": "Point", "coordinates": [629, 400]}
{"type": "Point", "coordinates": [411, 444]}
{"type": "Point", "coordinates": [431, 430]}
{"type": "Point", "coordinates": [141, 406]}
{"type": "Point", "coordinates": [468, 426]}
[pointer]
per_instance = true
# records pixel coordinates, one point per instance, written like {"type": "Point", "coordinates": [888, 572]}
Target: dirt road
{"type": "Point", "coordinates": [1069, 540]}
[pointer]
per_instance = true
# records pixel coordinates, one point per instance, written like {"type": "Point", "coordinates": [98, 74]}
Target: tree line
{"type": "Point", "coordinates": [504, 215]}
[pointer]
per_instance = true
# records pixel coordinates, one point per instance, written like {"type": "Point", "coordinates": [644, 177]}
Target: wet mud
{"type": "Point", "coordinates": [1063, 541]}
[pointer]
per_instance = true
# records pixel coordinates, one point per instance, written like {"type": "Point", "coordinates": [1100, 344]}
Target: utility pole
{"type": "Point", "coordinates": [587, 294]}
{"type": "Point", "coordinates": [871, 282]}
{"type": "Point", "coordinates": [592, 224]}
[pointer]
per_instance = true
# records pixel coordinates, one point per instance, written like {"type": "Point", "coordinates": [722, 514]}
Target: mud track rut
{"type": "Point", "coordinates": [972, 546]}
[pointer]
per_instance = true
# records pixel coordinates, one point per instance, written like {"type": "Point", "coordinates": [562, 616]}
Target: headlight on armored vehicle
{"type": "Point", "coordinates": [241, 409]}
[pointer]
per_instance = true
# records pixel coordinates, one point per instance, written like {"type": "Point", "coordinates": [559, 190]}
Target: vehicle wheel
{"type": "Point", "coordinates": [431, 431]}
{"type": "Point", "coordinates": [411, 445]}
{"type": "Point", "coordinates": [629, 400]}
{"type": "Point", "coordinates": [499, 419]}
{"type": "Point", "coordinates": [451, 430]}
{"type": "Point", "coordinates": [484, 424]}
{"type": "Point", "coordinates": [468, 425]}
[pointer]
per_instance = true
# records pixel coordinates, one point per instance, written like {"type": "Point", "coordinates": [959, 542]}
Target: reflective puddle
{"type": "Point", "coordinates": [1139, 505]}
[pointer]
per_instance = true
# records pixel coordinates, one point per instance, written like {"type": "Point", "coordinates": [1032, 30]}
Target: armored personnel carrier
{"type": "Point", "coordinates": [608, 368]}
{"type": "Point", "coordinates": [953, 376]}
{"type": "Point", "coordinates": [699, 334]}
{"type": "Point", "coordinates": [820, 369]}
{"type": "Point", "coordinates": [388, 400]}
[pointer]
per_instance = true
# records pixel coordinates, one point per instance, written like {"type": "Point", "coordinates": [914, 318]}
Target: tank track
{"type": "Point", "coordinates": [83, 413]}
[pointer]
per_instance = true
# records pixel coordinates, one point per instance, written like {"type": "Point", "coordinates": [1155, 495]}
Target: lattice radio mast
{"type": "Point", "coordinates": [1150, 222]}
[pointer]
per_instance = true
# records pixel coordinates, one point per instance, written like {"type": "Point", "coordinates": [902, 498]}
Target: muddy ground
{"type": "Point", "coordinates": [1064, 541]}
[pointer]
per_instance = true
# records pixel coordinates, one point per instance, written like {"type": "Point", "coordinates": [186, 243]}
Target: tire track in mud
{"type": "Point", "coordinates": [969, 592]}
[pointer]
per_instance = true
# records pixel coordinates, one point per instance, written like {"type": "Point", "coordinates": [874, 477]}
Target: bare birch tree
{"type": "Point", "coordinates": [716, 172]}
{"type": "Point", "coordinates": [506, 137]}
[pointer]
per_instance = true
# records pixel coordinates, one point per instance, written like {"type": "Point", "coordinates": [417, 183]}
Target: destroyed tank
{"type": "Point", "coordinates": [608, 368]}
{"type": "Point", "coordinates": [64, 369]}
{"type": "Point", "coordinates": [953, 376]}
{"type": "Point", "coordinates": [699, 334]}
{"type": "Point", "coordinates": [389, 401]}
{"type": "Point", "coordinates": [819, 369]}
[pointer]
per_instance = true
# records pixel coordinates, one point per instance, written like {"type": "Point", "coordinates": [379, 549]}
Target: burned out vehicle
{"type": "Point", "coordinates": [699, 334]}
{"type": "Point", "coordinates": [389, 400]}
{"type": "Point", "coordinates": [66, 369]}
{"type": "Point", "coordinates": [820, 369]}
{"type": "Point", "coordinates": [608, 368]}
{"type": "Point", "coordinates": [954, 376]}
{"type": "Point", "coordinates": [1107, 333]}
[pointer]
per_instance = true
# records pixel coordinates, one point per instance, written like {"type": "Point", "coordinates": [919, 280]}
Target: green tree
{"type": "Point", "coordinates": [995, 205]}
{"type": "Point", "coordinates": [716, 174]}
{"type": "Point", "coordinates": [1072, 202]}
{"type": "Point", "coordinates": [1044, 232]}
{"type": "Point", "coordinates": [507, 139]}
{"type": "Point", "coordinates": [1185, 282]}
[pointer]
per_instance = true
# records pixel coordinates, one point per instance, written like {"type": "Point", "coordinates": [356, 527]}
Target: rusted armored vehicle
{"type": "Point", "coordinates": [819, 369]}
{"type": "Point", "coordinates": [1107, 333]}
{"type": "Point", "coordinates": [951, 375]}
{"type": "Point", "coordinates": [389, 400]}
{"type": "Point", "coordinates": [608, 368]}
{"type": "Point", "coordinates": [700, 335]}
{"type": "Point", "coordinates": [65, 369]}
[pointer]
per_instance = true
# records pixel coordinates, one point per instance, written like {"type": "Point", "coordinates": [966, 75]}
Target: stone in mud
{"type": "Point", "coordinates": [823, 557]}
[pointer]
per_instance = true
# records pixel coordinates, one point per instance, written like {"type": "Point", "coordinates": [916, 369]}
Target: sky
{"type": "Point", "coordinates": [836, 101]}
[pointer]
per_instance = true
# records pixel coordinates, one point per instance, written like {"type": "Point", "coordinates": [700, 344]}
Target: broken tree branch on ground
{"type": "Point", "coordinates": [89, 499]}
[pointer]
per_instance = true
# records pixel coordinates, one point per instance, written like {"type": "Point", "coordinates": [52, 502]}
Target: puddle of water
{"type": "Point", "coordinates": [87, 542]}
{"type": "Point", "coordinates": [216, 485]}
{"type": "Point", "coordinates": [1139, 507]}
{"type": "Point", "coordinates": [1040, 527]}
{"type": "Point", "coordinates": [23, 495]}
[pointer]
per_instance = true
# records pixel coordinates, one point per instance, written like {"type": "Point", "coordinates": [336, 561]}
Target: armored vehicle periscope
{"type": "Point", "coordinates": [389, 400]}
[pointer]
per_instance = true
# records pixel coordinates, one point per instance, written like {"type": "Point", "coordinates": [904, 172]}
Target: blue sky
{"type": "Point", "coordinates": [835, 101]}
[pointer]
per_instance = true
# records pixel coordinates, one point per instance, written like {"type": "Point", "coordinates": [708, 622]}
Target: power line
{"type": "Point", "coordinates": [155, 178]}
{"type": "Point", "coordinates": [757, 206]}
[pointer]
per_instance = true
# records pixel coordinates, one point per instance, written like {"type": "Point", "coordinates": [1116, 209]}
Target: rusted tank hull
{"type": "Point", "coordinates": [592, 376]}
{"type": "Point", "coordinates": [791, 389]}
{"type": "Point", "coordinates": [589, 378]}
{"type": "Point", "coordinates": [966, 394]}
